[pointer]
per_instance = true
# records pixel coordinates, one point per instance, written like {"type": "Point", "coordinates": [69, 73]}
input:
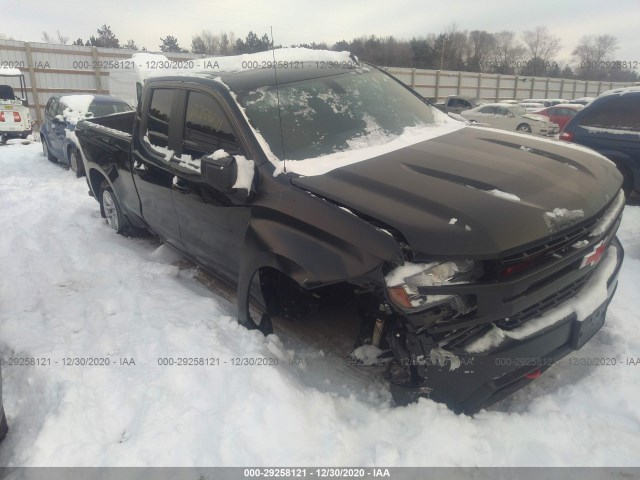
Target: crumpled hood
{"type": "Point", "coordinates": [476, 192]}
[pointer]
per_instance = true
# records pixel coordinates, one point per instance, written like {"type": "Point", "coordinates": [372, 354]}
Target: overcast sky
{"type": "Point", "coordinates": [297, 21]}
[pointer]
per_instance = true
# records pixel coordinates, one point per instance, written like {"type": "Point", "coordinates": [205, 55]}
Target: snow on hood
{"type": "Point", "coordinates": [370, 148]}
{"type": "Point", "coordinates": [77, 107]}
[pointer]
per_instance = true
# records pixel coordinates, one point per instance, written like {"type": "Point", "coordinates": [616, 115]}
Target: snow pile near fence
{"type": "Point", "coordinates": [73, 289]}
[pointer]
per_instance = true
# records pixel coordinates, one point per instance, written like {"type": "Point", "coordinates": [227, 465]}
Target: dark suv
{"type": "Point", "coordinates": [60, 116]}
{"type": "Point", "coordinates": [611, 126]}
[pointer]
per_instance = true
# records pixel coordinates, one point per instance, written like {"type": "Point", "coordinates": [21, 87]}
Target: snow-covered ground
{"type": "Point", "coordinates": [70, 288]}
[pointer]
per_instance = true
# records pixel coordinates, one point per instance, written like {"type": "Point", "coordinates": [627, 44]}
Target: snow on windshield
{"type": "Point", "coordinates": [319, 124]}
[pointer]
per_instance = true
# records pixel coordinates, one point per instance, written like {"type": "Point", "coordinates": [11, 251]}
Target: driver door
{"type": "Point", "coordinates": [211, 224]}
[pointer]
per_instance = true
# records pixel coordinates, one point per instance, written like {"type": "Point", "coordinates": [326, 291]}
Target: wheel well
{"type": "Point", "coordinates": [285, 297]}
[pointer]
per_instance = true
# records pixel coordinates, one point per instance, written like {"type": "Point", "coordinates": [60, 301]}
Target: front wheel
{"type": "Point", "coordinates": [524, 128]}
{"type": "Point", "coordinates": [110, 208]}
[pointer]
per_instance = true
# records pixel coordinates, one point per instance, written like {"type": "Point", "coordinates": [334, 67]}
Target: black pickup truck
{"type": "Point", "coordinates": [477, 258]}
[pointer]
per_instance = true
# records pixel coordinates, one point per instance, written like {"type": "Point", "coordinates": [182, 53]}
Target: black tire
{"type": "Point", "coordinates": [4, 139]}
{"type": "Point", "coordinates": [46, 152]}
{"type": "Point", "coordinates": [524, 128]}
{"type": "Point", "coordinates": [4, 427]}
{"type": "Point", "coordinates": [110, 209]}
{"type": "Point", "coordinates": [75, 161]}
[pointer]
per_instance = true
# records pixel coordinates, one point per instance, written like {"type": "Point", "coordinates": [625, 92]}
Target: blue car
{"type": "Point", "coordinates": [61, 114]}
{"type": "Point", "coordinates": [610, 125]}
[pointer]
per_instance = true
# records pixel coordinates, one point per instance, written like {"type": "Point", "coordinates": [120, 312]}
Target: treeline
{"type": "Point", "coordinates": [532, 52]}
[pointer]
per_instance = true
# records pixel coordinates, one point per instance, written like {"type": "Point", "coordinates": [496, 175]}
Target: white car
{"type": "Point", "coordinates": [511, 117]}
{"type": "Point", "coordinates": [15, 118]}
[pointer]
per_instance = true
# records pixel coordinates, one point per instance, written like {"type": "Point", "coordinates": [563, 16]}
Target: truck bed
{"type": "Point", "coordinates": [106, 137]}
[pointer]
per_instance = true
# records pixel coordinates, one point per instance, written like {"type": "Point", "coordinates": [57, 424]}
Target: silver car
{"type": "Point", "coordinates": [511, 117]}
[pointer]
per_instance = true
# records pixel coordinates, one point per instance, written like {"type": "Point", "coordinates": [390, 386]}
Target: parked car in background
{"type": "Point", "coordinates": [546, 102]}
{"type": "Point", "coordinates": [582, 100]}
{"type": "Point", "coordinates": [531, 107]}
{"type": "Point", "coordinates": [611, 125]}
{"type": "Point", "coordinates": [561, 114]}
{"type": "Point", "coordinates": [511, 117]}
{"type": "Point", "coordinates": [61, 114]}
{"type": "Point", "coordinates": [459, 103]}
{"type": "Point", "coordinates": [15, 118]}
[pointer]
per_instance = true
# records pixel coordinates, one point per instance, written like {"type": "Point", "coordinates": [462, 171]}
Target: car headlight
{"type": "Point", "coordinates": [405, 285]}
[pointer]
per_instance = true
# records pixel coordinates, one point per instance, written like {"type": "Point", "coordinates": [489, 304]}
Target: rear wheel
{"type": "Point", "coordinates": [524, 128]}
{"type": "Point", "coordinates": [46, 152]}
{"type": "Point", "coordinates": [110, 208]}
{"type": "Point", "coordinates": [75, 161]}
{"type": "Point", "coordinates": [4, 139]}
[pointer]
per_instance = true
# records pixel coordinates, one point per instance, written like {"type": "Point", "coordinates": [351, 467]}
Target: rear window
{"type": "Point", "coordinates": [102, 109]}
{"type": "Point", "coordinates": [619, 113]}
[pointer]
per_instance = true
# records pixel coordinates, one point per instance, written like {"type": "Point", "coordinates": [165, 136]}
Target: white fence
{"type": "Point", "coordinates": [437, 84]}
{"type": "Point", "coordinates": [52, 69]}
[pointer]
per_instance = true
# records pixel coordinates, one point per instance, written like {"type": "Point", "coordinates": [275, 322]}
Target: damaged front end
{"type": "Point", "coordinates": [471, 332]}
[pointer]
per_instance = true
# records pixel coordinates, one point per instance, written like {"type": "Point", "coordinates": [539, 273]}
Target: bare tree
{"type": "Point", "coordinates": [543, 47]}
{"type": "Point", "coordinates": [481, 44]}
{"type": "Point", "coordinates": [209, 43]}
{"type": "Point", "coordinates": [508, 53]}
{"type": "Point", "coordinates": [58, 39]}
{"type": "Point", "coordinates": [591, 52]}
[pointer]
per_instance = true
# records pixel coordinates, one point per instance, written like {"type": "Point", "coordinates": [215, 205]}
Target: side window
{"type": "Point", "coordinates": [207, 128]}
{"type": "Point", "coordinates": [51, 107]}
{"type": "Point", "coordinates": [159, 116]}
{"type": "Point", "coordinates": [59, 108]}
{"type": "Point", "coordinates": [621, 113]}
{"type": "Point", "coordinates": [465, 104]}
{"type": "Point", "coordinates": [502, 111]}
{"type": "Point", "coordinates": [488, 110]}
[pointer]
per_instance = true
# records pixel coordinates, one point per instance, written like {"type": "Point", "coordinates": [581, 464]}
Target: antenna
{"type": "Point", "coordinates": [275, 73]}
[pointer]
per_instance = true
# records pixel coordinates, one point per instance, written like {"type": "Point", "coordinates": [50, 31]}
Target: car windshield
{"type": "Point", "coordinates": [321, 116]}
{"type": "Point", "coordinates": [102, 109]}
{"type": "Point", "coordinates": [517, 109]}
{"type": "Point", "coordinates": [480, 101]}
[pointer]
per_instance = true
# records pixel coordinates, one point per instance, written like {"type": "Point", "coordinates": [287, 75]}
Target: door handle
{"type": "Point", "coordinates": [178, 186]}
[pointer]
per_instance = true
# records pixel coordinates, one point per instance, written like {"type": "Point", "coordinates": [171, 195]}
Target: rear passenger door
{"type": "Point", "coordinates": [212, 226]}
{"type": "Point", "coordinates": [152, 168]}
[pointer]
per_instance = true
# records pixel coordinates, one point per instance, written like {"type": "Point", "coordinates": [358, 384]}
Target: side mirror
{"type": "Point", "coordinates": [220, 173]}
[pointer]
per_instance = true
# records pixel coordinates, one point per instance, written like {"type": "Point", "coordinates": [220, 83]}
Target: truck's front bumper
{"type": "Point", "coordinates": [495, 363]}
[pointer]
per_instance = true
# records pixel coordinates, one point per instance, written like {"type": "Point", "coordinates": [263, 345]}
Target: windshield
{"type": "Point", "coordinates": [332, 114]}
{"type": "Point", "coordinates": [518, 110]}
